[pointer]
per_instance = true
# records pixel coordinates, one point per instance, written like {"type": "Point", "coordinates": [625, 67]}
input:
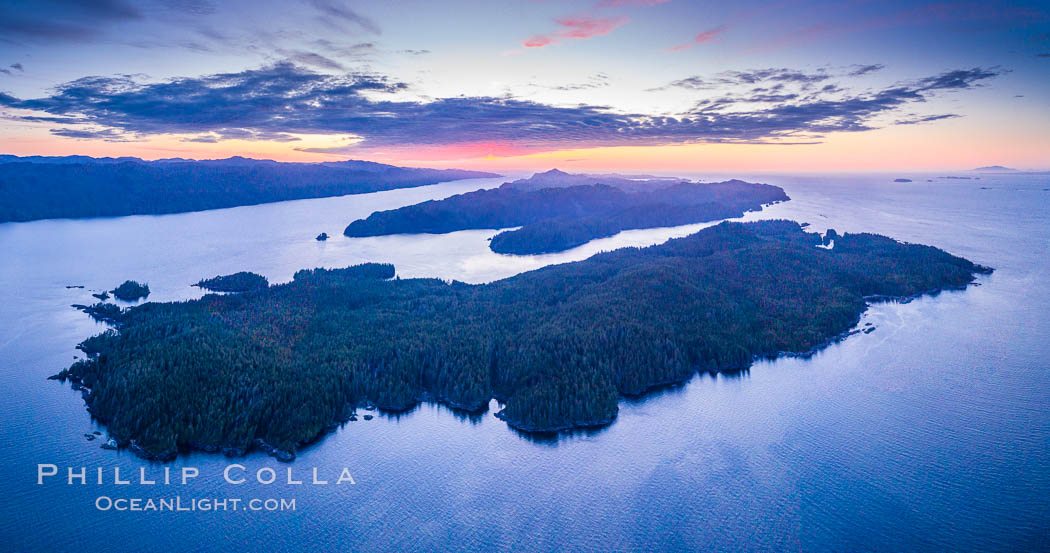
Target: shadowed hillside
{"type": "Point", "coordinates": [47, 188]}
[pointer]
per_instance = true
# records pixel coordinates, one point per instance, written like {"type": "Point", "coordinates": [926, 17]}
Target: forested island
{"type": "Point", "coordinates": [556, 213]}
{"type": "Point", "coordinates": [78, 186]}
{"type": "Point", "coordinates": [995, 169]}
{"type": "Point", "coordinates": [279, 366]}
{"type": "Point", "coordinates": [242, 281]}
{"type": "Point", "coordinates": [130, 290]}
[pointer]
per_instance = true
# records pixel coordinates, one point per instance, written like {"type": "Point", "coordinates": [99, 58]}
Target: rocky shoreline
{"type": "Point", "coordinates": [575, 425]}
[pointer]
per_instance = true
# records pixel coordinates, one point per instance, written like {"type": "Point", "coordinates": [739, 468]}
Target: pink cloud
{"type": "Point", "coordinates": [701, 38]}
{"type": "Point", "coordinates": [577, 27]}
{"type": "Point", "coordinates": [538, 41]}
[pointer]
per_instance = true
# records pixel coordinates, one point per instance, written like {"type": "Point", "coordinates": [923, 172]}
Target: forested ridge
{"type": "Point", "coordinates": [559, 345]}
{"type": "Point", "coordinates": [561, 233]}
{"type": "Point", "coordinates": [559, 218]}
{"type": "Point", "coordinates": [78, 186]}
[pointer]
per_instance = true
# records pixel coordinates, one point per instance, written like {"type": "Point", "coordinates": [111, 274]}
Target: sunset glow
{"type": "Point", "coordinates": [653, 85]}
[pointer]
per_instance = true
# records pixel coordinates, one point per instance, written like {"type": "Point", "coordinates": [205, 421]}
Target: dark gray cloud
{"type": "Point", "coordinates": [109, 135]}
{"type": "Point", "coordinates": [859, 70]}
{"type": "Point", "coordinates": [313, 59]}
{"type": "Point", "coordinates": [241, 134]}
{"type": "Point", "coordinates": [748, 77]}
{"type": "Point", "coordinates": [342, 53]}
{"type": "Point", "coordinates": [275, 102]}
{"type": "Point", "coordinates": [960, 78]}
{"type": "Point", "coordinates": [277, 31]}
{"type": "Point", "coordinates": [914, 120]}
{"type": "Point", "coordinates": [768, 76]}
{"type": "Point", "coordinates": [17, 66]}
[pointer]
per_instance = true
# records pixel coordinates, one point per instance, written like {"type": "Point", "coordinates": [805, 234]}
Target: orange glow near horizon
{"type": "Point", "coordinates": [896, 148]}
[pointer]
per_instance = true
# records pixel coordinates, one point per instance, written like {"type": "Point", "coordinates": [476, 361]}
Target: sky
{"type": "Point", "coordinates": [655, 85]}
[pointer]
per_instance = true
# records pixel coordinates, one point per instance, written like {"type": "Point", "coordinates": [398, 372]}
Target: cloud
{"type": "Point", "coordinates": [312, 59]}
{"type": "Point", "coordinates": [255, 99]}
{"type": "Point", "coordinates": [356, 51]}
{"type": "Point", "coordinates": [241, 134]}
{"type": "Point", "coordinates": [50, 20]}
{"type": "Point", "coordinates": [108, 135]}
{"type": "Point", "coordinates": [38, 118]}
{"type": "Point", "coordinates": [17, 66]}
{"type": "Point", "coordinates": [958, 79]}
{"type": "Point", "coordinates": [598, 80]}
{"type": "Point", "coordinates": [701, 38]}
{"type": "Point", "coordinates": [339, 11]}
{"type": "Point", "coordinates": [915, 120]}
{"type": "Point", "coordinates": [283, 100]}
{"type": "Point", "coordinates": [775, 77]}
{"type": "Point", "coordinates": [749, 77]}
{"type": "Point", "coordinates": [859, 70]}
{"type": "Point", "coordinates": [576, 27]}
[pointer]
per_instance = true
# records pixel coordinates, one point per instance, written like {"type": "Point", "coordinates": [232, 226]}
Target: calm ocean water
{"type": "Point", "coordinates": [931, 433]}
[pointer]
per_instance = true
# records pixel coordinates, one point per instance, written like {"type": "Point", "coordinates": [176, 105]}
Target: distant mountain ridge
{"type": "Point", "coordinates": [67, 160]}
{"type": "Point", "coordinates": [560, 179]}
{"type": "Point", "coordinates": [995, 169]}
{"type": "Point", "coordinates": [229, 161]}
{"type": "Point", "coordinates": [44, 187]}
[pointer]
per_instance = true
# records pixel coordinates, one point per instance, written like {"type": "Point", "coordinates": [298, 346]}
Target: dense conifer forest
{"type": "Point", "coordinates": [559, 234]}
{"type": "Point", "coordinates": [556, 219]}
{"type": "Point", "coordinates": [78, 186]}
{"type": "Point", "coordinates": [277, 367]}
{"type": "Point", "coordinates": [130, 290]}
{"type": "Point", "coordinates": [242, 281]}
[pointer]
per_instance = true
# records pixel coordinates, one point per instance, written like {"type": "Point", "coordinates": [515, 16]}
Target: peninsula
{"type": "Point", "coordinates": [557, 211]}
{"type": "Point", "coordinates": [279, 366]}
{"type": "Point", "coordinates": [80, 186]}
